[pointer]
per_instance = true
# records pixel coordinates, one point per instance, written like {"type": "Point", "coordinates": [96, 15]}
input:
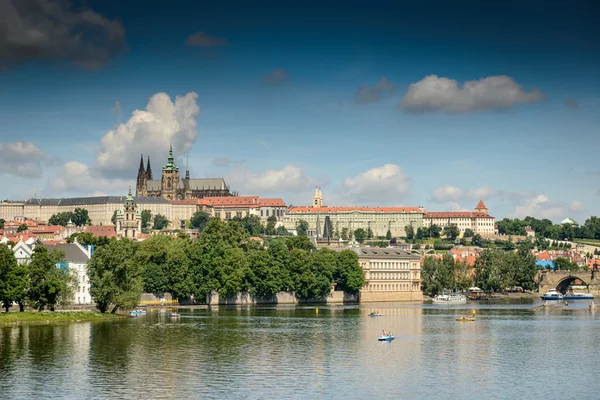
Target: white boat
{"type": "Point", "coordinates": [552, 294]}
{"type": "Point", "coordinates": [578, 296]}
{"type": "Point", "coordinates": [454, 298]}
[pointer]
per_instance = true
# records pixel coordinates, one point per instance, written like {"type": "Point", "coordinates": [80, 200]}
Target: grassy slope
{"type": "Point", "coordinates": [56, 316]}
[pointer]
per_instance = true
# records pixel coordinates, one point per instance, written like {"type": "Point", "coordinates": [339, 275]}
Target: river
{"type": "Point", "coordinates": [510, 352]}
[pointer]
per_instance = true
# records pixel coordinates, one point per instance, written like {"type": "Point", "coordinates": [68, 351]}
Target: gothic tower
{"type": "Point", "coordinates": [318, 198]}
{"type": "Point", "coordinates": [148, 171]}
{"type": "Point", "coordinates": [140, 187]}
{"type": "Point", "coordinates": [170, 178]}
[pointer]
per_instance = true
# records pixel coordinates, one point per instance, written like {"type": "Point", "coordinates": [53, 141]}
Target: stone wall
{"type": "Point", "coordinates": [384, 296]}
{"type": "Point", "coordinates": [335, 297]}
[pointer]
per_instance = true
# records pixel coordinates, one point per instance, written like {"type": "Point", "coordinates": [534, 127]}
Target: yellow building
{"type": "Point", "coordinates": [391, 275]}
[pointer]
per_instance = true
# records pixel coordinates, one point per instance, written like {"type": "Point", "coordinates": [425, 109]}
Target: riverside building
{"type": "Point", "coordinates": [479, 221]}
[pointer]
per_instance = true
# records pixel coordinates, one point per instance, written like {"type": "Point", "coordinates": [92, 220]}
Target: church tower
{"type": "Point", "coordinates": [129, 219]}
{"type": "Point", "coordinates": [317, 198]}
{"type": "Point", "coordinates": [170, 177]}
{"type": "Point", "coordinates": [142, 179]}
{"type": "Point", "coordinates": [148, 171]}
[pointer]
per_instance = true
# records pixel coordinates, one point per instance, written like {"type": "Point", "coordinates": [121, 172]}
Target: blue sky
{"type": "Point", "coordinates": [499, 101]}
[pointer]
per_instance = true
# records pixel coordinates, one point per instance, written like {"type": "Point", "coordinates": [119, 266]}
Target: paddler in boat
{"type": "Point", "coordinates": [383, 333]}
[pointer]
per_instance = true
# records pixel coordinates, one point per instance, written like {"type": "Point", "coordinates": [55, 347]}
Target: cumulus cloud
{"type": "Point", "coordinates": [386, 183]}
{"type": "Point", "coordinates": [290, 178]}
{"type": "Point", "coordinates": [483, 193]}
{"type": "Point", "coordinates": [571, 103]}
{"type": "Point", "coordinates": [454, 206]}
{"type": "Point", "coordinates": [365, 94]}
{"type": "Point", "coordinates": [434, 93]}
{"type": "Point", "coordinates": [539, 206]}
{"type": "Point", "coordinates": [45, 30]}
{"type": "Point", "coordinates": [22, 159]}
{"type": "Point", "coordinates": [447, 193]}
{"type": "Point", "coordinates": [201, 39]}
{"type": "Point", "coordinates": [276, 77]}
{"type": "Point", "coordinates": [150, 132]}
{"type": "Point", "coordinates": [77, 177]}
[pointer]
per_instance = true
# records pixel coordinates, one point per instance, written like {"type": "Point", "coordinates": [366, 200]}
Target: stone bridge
{"type": "Point", "coordinates": [561, 280]}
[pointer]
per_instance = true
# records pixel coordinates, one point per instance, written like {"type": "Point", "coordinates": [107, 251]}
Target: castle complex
{"type": "Point", "coordinates": [172, 186]}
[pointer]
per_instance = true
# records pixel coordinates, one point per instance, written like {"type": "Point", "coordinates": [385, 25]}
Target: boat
{"type": "Point", "coordinates": [474, 293]}
{"type": "Point", "coordinates": [578, 296]}
{"type": "Point", "coordinates": [386, 338]}
{"type": "Point", "coordinates": [454, 298]}
{"type": "Point", "coordinates": [136, 313]}
{"type": "Point", "coordinates": [375, 314]}
{"type": "Point", "coordinates": [173, 315]}
{"type": "Point", "coordinates": [552, 294]}
{"type": "Point", "coordinates": [466, 319]}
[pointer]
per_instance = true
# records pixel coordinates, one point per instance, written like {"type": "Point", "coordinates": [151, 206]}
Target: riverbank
{"type": "Point", "coordinates": [46, 317]}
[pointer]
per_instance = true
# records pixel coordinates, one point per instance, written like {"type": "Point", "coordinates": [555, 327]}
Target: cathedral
{"type": "Point", "coordinates": [173, 187]}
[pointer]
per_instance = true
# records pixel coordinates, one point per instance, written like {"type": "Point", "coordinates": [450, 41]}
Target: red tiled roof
{"type": "Point", "coordinates": [188, 201]}
{"type": "Point", "coordinates": [47, 229]}
{"type": "Point", "coordinates": [271, 202]}
{"type": "Point", "coordinates": [101, 230]}
{"type": "Point", "coordinates": [456, 214]}
{"type": "Point", "coordinates": [325, 209]}
{"type": "Point", "coordinates": [230, 200]}
{"type": "Point", "coordinates": [480, 205]}
{"type": "Point", "coordinates": [53, 242]}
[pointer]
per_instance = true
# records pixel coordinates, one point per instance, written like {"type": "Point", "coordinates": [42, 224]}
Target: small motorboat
{"type": "Point", "coordinates": [173, 315]}
{"type": "Point", "coordinates": [552, 294]}
{"type": "Point", "coordinates": [578, 296]}
{"type": "Point", "coordinates": [137, 313]}
{"type": "Point", "coordinates": [454, 298]}
{"type": "Point", "coordinates": [375, 314]}
{"type": "Point", "coordinates": [386, 338]}
{"type": "Point", "coordinates": [466, 319]}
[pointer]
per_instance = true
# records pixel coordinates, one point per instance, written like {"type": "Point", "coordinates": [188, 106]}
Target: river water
{"type": "Point", "coordinates": [510, 352]}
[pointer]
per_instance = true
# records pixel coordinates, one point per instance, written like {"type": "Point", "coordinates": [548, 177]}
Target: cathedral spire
{"type": "Point", "coordinates": [141, 170]}
{"type": "Point", "coordinates": [187, 167]}
{"type": "Point", "coordinates": [148, 170]}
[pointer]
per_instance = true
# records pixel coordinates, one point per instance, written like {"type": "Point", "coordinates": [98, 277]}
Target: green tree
{"type": "Point", "coordinates": [562, 263]}
{"type": "Point", "coordinates": [271, 222]}
{"type": "Point", "coordinates": [2, 222]}
{"type": "Point", "coordinates": [152, 255]}
{"type": "Point", "coordinates": [300, 242]}
{"type": "Point", "coordinates": [84, 238]}
{"type": "Point", "coordinates": [438, 274]}
{"type": "Point", "coordinates": [113, 219]}
{"type": "Point", "coordinates": [281, 231]}
{"type": "Point", "coordinates": [146, 218]}
{"type": "Point", "coordinates": [369, 233]}
{"type": "Point", "coordinates": [451, 231]}
{"type": "Point", "coordinates": [344, 233]}
{"type": "Point", "coordinates": [435, 231]}
{"type": "Point", "coordinates": [388, 235]}
{"type": "Point", "coordinates": [302, 228]}
{"type": "Point", "coordinates": [477, 240]}
{"type": "Point", "coordinates": [21, 228]}
{"type": "Point", "coordinates": [199, 220]}
{"type": "Point", "coordinates": [61, 219]}
{"type": "Point", "coordinates": [410, 232]}
{"type": "Point", "coordinates": [115, 276]}
{"type": "Point", "coordinates": [160, 222]}
{"type": "Point", "coordinates": [265, 278]}
{"type": "Point", "coordinates": [468, 233]}
{"type": "Point", "coordinates": [360, 234]}
{"type": "Point", "coordinates": [253, 225]}
{"type": "Point", "coordinates": [348, 273]}
{"type": "Point", "coordinates": [14, 280]}
{"type": "Point", "coordinates": [49, 285]}
{"type": "Point", "coordinates": [80, 217]}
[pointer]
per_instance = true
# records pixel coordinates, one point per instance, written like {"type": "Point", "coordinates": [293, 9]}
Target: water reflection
{"type": "Point", "coordinates": [275, 352]}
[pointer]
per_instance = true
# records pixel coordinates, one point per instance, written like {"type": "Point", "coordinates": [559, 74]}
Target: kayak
{"type": "Point", "coordinates": [375, 315]}
{"type": "Point", "coordinates": [385, 338]}
{"type": "Point", "coordinates": [173, 315]}
{"type": "Point", "coordinates": [465, 319]}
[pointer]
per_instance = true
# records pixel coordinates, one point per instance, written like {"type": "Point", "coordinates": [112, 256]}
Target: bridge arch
{"type": "Point", "coordinates": [565, 282]}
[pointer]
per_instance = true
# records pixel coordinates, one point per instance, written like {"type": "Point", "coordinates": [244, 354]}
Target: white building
{"type": "Point", "coordinates": [379, 219]}
{"type": "Point", "coordinates": [479, 221]}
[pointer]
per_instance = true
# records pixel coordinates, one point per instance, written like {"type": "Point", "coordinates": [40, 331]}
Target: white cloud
{"type": "Point", "coordinates": [22, 159]}
{"type": "Point", "coordinates": [382, 184]}
{"type": "Point", "coordinates": [434, 93]}
{"type": "Point", "coordinates": [45, 30]}
{"type": "Point", "coordinates": [539, 206]}
{"type": "Point", "coordinates": [454, 206]}
{"type": "Point", "coordinates": [290, 178]}
{"type": "Point", "coordinates": [483, 193]}
{"type": "Point", "coordinates": [221, 162]}
{"type": "Point", "coordinates": [447, 193]}
{"type": "Point", "coordinates": [150, 132]}
{"type": "Point", "coordinates": [79, 178]}
{"type": "Point", "coordinates": [576, 206]}
{"type": "Point", "coordinates": [367, 94]}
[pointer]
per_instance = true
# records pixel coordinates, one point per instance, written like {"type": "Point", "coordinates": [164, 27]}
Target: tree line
{"type": "Point", "coordinates": [39, 284]}
{"type": "Point", "coordinates": [546, 229]}
{"type": "Point", "coordinates": [222, 259]}
{"type": "Point", "coordinates": [494, 270]}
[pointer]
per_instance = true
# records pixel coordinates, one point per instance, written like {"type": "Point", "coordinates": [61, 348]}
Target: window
{"type": "Point", "coordinates": [267, 212]}
{"type": "Point", "coordinates": [227, 215]}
